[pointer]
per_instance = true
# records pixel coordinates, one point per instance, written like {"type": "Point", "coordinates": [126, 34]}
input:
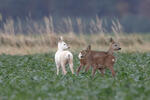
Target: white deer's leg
{"type": "Point", "coordinates": [63, 68]}
{"type": "Point", "coordinates": [71, 66]}
{"type": "Point", "coordinates": [57, 66]}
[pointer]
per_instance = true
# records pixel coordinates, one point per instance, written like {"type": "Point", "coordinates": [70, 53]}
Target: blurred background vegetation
{"type": "Point", "coordinates": [134, 15]}
{"type": "Point", "coordinates": [33, 26]}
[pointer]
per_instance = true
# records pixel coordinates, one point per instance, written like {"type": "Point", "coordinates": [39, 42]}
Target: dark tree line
{"type": "Point", "coordinates": [126, 10]}
{"type": "Point", "coordinates": [40, 8]}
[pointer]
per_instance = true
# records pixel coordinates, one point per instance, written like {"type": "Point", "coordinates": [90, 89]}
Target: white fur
{"type": "Point", "coordinates": [63, 57]}
{"type": "Point", "coordinates": [113, 60]}
{"type": "Point", "coordinates": [80, 55]}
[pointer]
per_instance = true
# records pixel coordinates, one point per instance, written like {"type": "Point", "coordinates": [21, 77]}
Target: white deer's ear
{"type": "Point", "coordinates": [60, 38]}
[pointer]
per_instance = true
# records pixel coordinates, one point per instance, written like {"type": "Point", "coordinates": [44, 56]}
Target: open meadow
{"type": "Point", "coordinates": [33, 77]}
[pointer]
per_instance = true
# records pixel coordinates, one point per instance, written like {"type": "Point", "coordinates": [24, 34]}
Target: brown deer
{"type": "Point", "coordinates": [98, 59]}
{"type": "Point", "coordinates": [84, 61]}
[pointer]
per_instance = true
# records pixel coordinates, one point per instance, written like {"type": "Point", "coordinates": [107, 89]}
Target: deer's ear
{"type": "Point", "coordinates": [111, 40]}
{"type": "Point", "coordinates": [89, 47]}
{"type": "Point", "coordinates": [60, 38]}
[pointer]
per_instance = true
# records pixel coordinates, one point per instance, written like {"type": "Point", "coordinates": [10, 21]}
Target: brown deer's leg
{"type": "Point", "coordinates": [87, 68]}
{"type": "Point", "coordinates": [79, 68]}
{"type": "Point", "coordinates": [112, 70]}
{"type": "Point", "coordinates": [101, 71]}
{"type": "Point", "coordinates": [93, 71]}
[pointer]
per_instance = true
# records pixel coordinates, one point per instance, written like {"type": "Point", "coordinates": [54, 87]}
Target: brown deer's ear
{"type": "Point", "coordinates": [60, 38]}
{"type": "Point", "coordinates": [89, 47]}
{"type": "Point", "coordinates": [111, 40]}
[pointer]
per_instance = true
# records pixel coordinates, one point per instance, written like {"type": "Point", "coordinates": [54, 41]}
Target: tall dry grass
{"type": "Point", "coordinates": [43, 38]}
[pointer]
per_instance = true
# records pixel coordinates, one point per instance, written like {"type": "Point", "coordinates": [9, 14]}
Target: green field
{"type": "Point", "coordinates": [33, 77]}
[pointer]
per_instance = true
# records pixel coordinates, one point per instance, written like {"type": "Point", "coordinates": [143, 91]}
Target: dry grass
{"type": "Point", "coordinates": [42, 38]}
{"type": "Point", "coordinates": [29, 44]}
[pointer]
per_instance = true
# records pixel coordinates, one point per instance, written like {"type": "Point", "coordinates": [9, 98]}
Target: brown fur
{"type": "Point", "coordinates": [86, 62]}
{"type": "Point", "coordinates": [100, 60]}
{"type": "Point", "coordinates": [83, 62]}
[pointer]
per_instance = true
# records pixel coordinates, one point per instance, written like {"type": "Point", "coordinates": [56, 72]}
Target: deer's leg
{"type": "Point", "coordinates": [93, 71]}
{"type": "Point", "coordinates": [63, 68]}
{"type": "Point", "coordinates": [101, 70]}
{"type": "Point", "coordinates": [57, 66]}
{"type": "Point", "coordinates": [71, 66]}
{"type": "Point", "coordinates": [79, 68]}
{"type": "Point", "coordinates": [87, 68]}
{"type": "Point", "coordinates": [112, 70]}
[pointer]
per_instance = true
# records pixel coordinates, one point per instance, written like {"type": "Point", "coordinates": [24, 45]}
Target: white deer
{"type": "Point", "coordinates": [63, 57]}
